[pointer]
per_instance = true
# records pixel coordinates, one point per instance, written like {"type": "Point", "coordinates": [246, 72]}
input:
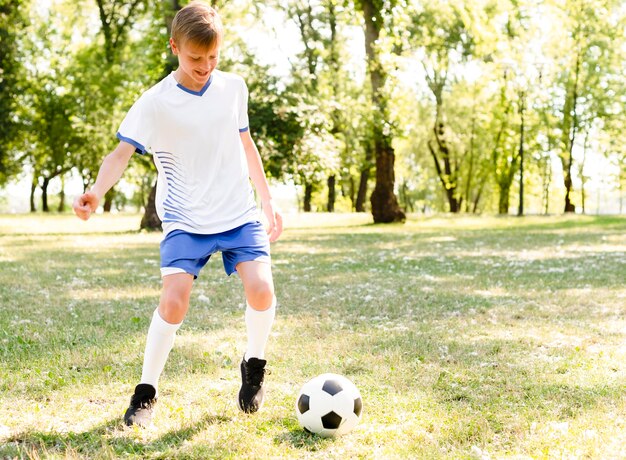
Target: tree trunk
{"type": "Point", "coordinates": [445, 174]}
{"type": "Point", "coordinates": [503, 200]}
{"type": "Point", "coordinates": [446, 165]}
{"type": "Point", "coordinates": [569, 205]}
{"type": "Point", "coordinates": [361, 195]}
{"type": "Point", "coordinates": [353, 193]}
{"type": "Point", "coordinates": [520, 209]}
{"type": "Point", "coordinates": [336, 115]}
{"type": "Point", "coordinates": [470, 172]}
{"type": "Point", "coordinates": [308, 193]}
{"type": "Point", "coordinates": [44, 195]}
{"type": "Point", "coordinates": [570, 135]}
{"type": "Point", "coordinates": [150, 220]}
{"type": "Point", "coordinates": [108, 200]}
{"type": "Point", "coordinates": [61, 207]}
{"type": "Point", "coordinates": [331, 193]}
{"type": "Point", "coordinates": [385, 206]}
{"type": "Point", "coordinates": [384, 202]}
{"type": "Point", "coordinates": [503, 170]}
{"type": "Point", "coordinates": [504, 182]}
{"type": "Point", "coordinates": [477, 199]}
{"type": "Point", "coordinates": [33, 189]}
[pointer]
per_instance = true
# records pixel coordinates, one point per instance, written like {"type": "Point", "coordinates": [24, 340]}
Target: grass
{"type": "Point", "coordinates": [470, 338]}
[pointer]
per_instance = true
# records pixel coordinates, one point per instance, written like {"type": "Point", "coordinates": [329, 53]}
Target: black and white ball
{"type": "Point", "coordinates": [329, 405]}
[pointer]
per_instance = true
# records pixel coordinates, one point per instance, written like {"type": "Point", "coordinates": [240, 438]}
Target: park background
{"type": "Point", "coordinates": [452, 106]}
{"type": "Point", "coordinates": [453, 179]}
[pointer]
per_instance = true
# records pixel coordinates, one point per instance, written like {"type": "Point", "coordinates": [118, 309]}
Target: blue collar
{"type": "Point", "coordinates": [197, 93]}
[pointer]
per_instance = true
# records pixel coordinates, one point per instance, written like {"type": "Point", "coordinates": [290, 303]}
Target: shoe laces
{"type": "Point", "coordinates": [142, 402]}
{"type": "Point", "coordinates": [146, 404]}
{"type": "Point", "coordinates": [255, 374]}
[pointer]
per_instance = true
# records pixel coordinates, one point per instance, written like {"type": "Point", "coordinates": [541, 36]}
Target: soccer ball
{"type": "Point", "coordinates": [329, 405]}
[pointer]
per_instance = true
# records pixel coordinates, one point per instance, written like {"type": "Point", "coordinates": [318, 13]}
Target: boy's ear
{"type": "Point", "coordinates": [173, 47]}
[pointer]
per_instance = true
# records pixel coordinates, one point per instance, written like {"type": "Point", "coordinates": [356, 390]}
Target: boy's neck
{"type": "Point", "coordinates": [181, 79]}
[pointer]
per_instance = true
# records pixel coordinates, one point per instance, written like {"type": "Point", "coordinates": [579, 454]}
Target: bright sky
{"type": "Point", "coordinates": [279, 40]}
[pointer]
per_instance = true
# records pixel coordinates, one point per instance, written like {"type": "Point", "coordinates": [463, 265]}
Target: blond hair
{"type": "Point", "coordinates": [199, 23]}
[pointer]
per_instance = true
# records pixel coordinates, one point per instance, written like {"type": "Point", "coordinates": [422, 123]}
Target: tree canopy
{"type": "Point", "coordinates": [381, 106]}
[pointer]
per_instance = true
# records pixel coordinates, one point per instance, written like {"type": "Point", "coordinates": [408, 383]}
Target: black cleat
{"type": "Point", "coordinates": [252, 393]}
{"type": "Point", "coordinates": [141, 403]}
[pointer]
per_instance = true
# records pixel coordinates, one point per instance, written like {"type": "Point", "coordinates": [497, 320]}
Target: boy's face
{"type": "Point", "coordinates": [195, 63]}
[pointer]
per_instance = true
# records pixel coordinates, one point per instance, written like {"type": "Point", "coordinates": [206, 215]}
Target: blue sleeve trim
{"type": "Point", "coordinates": [138, 147]}
{"type": "Point", "coordinates": [243, 130]}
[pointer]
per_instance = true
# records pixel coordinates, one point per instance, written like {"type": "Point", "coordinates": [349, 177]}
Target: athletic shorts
{"type": "Point", "coordinates": [184, 252]}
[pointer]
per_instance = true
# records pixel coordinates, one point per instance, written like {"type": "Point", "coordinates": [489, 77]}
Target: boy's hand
{"type": "Point", "coordinates": [85, 204]}
{"type": "Point", "coordinates": [274, 220]}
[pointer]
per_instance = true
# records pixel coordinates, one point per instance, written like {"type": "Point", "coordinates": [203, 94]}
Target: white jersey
{"type": "Point", "coordinates": [203, 184]}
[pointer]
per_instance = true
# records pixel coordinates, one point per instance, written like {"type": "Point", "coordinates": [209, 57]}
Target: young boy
{"type": "Point", "coordinates": [195, 123]}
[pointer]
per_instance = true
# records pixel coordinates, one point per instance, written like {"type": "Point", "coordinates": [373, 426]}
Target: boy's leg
{"type": "Point", "coordinates": [260, 311]}
{"type": "Point", "coordinates": [261, 305]}
{"type": "Point", "coordinates": [166, 320]}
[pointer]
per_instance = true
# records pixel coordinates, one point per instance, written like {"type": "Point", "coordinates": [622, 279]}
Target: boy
{"type": "Point", "coordinates": [195, 123]}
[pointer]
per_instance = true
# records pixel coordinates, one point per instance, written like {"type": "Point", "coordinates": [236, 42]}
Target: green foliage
{"type": "Point", "coordinates": [105, 94]}
{"type": "Point", "coordinates": [12, 19]}
{"type": "Point", "coordinates": [72, 104]}
{"type": "Point", "coordinates": [273, 112]}
{"type": "Point", "coordinates": [482, 61]}
{"type": "Point", "coordinates": [325, 96]}
{"type": "Point", "coordinates": [452, 79]}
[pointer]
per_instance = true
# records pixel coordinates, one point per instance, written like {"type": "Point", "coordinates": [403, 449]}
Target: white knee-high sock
{"type": "Point", "coordinates": [159, 343]}
{"type": "Point", "coordinates": [258, 326]}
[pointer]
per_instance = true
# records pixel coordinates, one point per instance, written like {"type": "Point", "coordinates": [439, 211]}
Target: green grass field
{"type": "Point", "coordinates": [468, 338]}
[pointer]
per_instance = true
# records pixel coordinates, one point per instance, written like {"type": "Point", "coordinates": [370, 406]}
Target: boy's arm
{"type": "Point", "coordinates": [257, 175]}
{"type": "Point", "coordinates": [112, 168]}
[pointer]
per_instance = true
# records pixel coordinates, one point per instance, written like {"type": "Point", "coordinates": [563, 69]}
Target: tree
{"type": "Point", "coordinates": [151, 220]}
{"type": "Point", "coordinates": [334, 67]}
{"type": "Point", "coordinates": [315, 72]}
{"type": "Point", "coordinates": [385, 207]}
{"type": "Point", "coordinates": [443, 33]}
{"type": "Point", "coordinates": [309, 170]}
{"type": "Point", "coordinates": [55, 141]}
{"type": "Point", "coordinates": [116, 19]}
{"type": "Point", "coordinates": [12, 20]}
{"type": "Point", "coordinates": [586, 73]}
{"type": "Point", "coordinates": [505, 158]}
{"type": "Point", "coordinates": [46, 139]}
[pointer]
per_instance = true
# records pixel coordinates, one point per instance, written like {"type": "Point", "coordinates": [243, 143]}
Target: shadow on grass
{"type": "Point", "coordinates": [111, 436]}
{"type": "Point", "coordinates": [297, 438]}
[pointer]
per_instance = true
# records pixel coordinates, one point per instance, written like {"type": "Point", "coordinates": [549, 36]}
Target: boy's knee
{"type": "Point", "coordinates": [172, 309]}
{"type": "Point", "coordinates": [261, 296]}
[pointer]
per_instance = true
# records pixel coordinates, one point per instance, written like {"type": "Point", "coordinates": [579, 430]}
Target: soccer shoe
{"type": "Point", "coordinates": [252, 393]}
{"type": "Point", "coordinates": [141, 403]}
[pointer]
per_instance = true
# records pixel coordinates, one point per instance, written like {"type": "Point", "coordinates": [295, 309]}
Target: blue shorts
{"type": "Point", "coordinates": [184, 252]}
